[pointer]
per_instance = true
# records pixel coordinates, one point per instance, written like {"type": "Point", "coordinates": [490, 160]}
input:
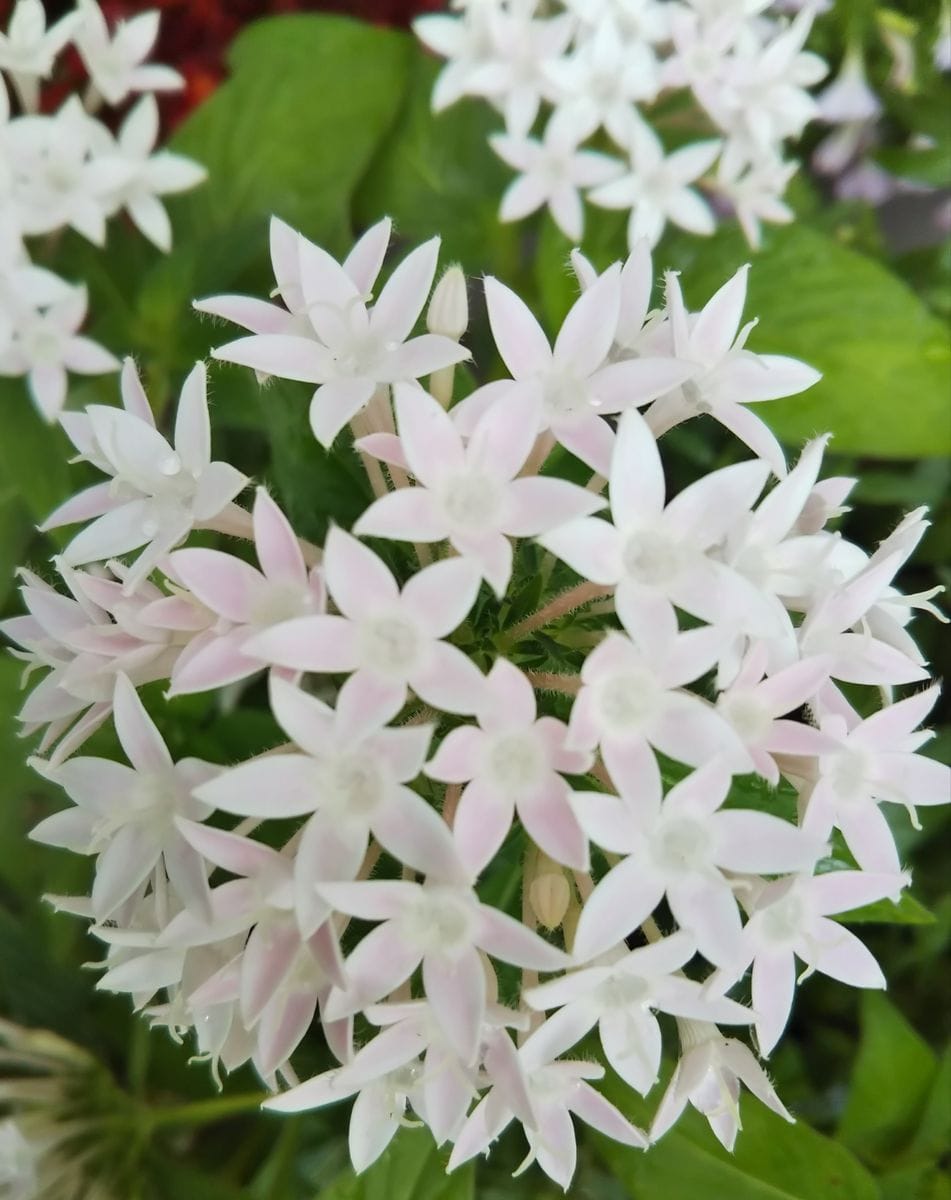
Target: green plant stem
{"type": "Point", "coordinates": [204, 1112]}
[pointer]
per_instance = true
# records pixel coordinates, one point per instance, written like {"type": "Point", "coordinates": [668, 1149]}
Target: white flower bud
{"type": "Point", "coordinates": [549, 896]}
{"type": "Point", "coordinates": [448, 312]}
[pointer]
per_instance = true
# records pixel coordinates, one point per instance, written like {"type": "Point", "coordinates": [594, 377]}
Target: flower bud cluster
{"type": "Point", "coordinates": [596, 75]}
{"type": "Point", "coordinates": [69, 169]}
{"type": "Point", "coordinates": [667, 706]}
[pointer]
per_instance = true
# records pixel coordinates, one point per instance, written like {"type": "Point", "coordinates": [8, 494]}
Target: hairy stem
{"type": "Point", "coordinates": [560, 606]}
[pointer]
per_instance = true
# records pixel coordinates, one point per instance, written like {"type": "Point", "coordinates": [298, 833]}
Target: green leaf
{"type": "Point", "coordinates": [436, 174]}
{"type": "Point", "coordinates": [411, 1168]}
{"type": "Point", "coordinates": [773, 1160]}
{"type": "Point", "coordinates": [885, 359]}
{"type": "Point", "coordinates": [893, 1076]}
{"type": "Point", "coordinates": [908, 911]}
{"type": "Point", "coordinates": [33, 455]}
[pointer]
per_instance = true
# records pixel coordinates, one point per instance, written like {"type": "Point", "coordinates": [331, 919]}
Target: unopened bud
{"type": "Point", "coordinates": [448, 312]}
{"type": "Point", "coordinates": [549, 896]}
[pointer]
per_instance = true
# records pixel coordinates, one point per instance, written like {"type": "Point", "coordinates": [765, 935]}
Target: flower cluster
{"type": "Point", "coordinates": [68, 169]}
{"type": "Point", "coordinates": [667, 707]}
{"type": "Point", "coordinates": [602, 72]}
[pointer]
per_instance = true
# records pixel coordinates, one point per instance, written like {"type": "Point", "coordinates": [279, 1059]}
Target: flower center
{"type": "Point", "coordinates": [391, 646]}
{"type": "Point", "coordinates": [439, 922]}
{"type": "Point", "coordinates": [280, 601]}
{"type": "Point", "coordinates": [850, 773]}
{"type": "Point", "coordinates": [352, 785]}
{"type": "Point", "coordinates": [651, 558]}
{"type": "Point", "coordinates": [626, 701]}
{"type": "Point", "coordinates": [43, 346]}
{"type": "Point", "coordinates": [516, 762]}
{"type": "Point", "coordinates": [472, 501]}
{"type": "Point", "coordinates": [566, 397]}
{"type": "Point", "coordinates": [623, 992]}
{"type": "Point", "coordinates": [782, 921]}
{"type": "Point", "coordinates": [682, 845]}
{"type": "Point", "coordinates": [747, 715]}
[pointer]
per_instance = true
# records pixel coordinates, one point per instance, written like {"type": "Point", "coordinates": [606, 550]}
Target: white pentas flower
{"type": "Point", "coordinates": [29, 48]}
{"type": "Point", "coordinates": [158, 492]}
{"type": "Point", "coordinates": [351, 349]}
{"type": "Point", "coordinates": [116, 62]}
{"type": "Point", "coordinates": [438, 696]}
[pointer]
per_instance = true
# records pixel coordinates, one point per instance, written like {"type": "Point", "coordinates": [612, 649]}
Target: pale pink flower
{"type": "Point", "coordinates": [158, 494]}
{"type": "Point", "coordinates": [558, 1090]}
{"type": "Point", "coordinates": [126, 815]}
{"type": "Point", "coordinates": [726, 377]}
{"type": "Point", "coordinates": [443, 928]}
{"type": "Point", "coordinates": [356, 348]}
{"type": "Point", "coordinates": [621, 997]}
{"type": "Point", "coordinates": [468, 492]}
{"type": "Point", "coordinates": [353, 778]}
{"type": "Point", "coordinates": [510, 763]}
{"type": "Point", "coordinates": [575, 379]}
{"type": "Point", "coordinates": [708, 1076]}
{"type": "Point", "coordinates": [245, 600]}
{"type": "Point", "coordinates": [389, 639]}
{"type": "Point", "coordinates": [679, 846]}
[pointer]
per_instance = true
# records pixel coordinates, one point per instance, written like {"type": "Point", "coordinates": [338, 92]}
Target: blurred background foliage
{"type": "Point", "coordinates": [325, 121]}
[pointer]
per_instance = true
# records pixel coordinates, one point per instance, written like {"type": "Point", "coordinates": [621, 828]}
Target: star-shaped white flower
{"type": "Point", "coordinates": [116, 63]}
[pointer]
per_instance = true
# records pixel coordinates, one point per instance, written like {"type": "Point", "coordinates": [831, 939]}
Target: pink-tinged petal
{"type": "Point", "coordinates": [508, 699]}
{"type": "Point", "coordinates": [368, 701]}
{"type": "Point", "coordinates": [219, 484]}
{"type": "Point", "coordinates": [410, 514]}
{"type": "Point", "coordinates": [431, 442]}
{"type": "Point", "coordinates": [793, 686]}
{"type": "Point", "coordinates": [467, 413]}
{"type": "Point", "coordinates": [114, 533]}
{"type": "Point", "coordinates": [176, 613]}
{"type": "Point", "coordinates": [590, 546]}
{"type": "Point", "coordinates": [373, 900]}
{"type": "Point", "coordinates": [446, 1097]}
{"type": "Point", "coordinates": [441, 596]}
{"type": "Point", "coordinates": [210, 661]}
{"type": "Point", "coordinates": [459, 757]}
{"type": "Point", "coordinates": [896, 721]}
{"type": "Point", "coordinates": [188, 876]}
{"type": "Point", "coordinates": [268, 956]}
{"type": "Point", "coordinates": [403, 751]}
{"type": "Point", "coordinates": [717, 594]}
{"type": "Point", "coordinates": [71, 829]}
{"type": "Point", "coordinates": [637, 474]}
{"type": "Point", "coordinates": [279, 785]}
{"type": "Point", "coordinates": [450, 680]}
{"type": "Point", "coordinates": [455, 989]}
{"type": "Point", "coordinates": [481, 824]}
{"type": "Point", "coordinates": [858, 658]}
{"type": "Point", "coordinates": [482, 1127]}
{"type": "Point", "coordinates": [708, 509]}
{"type": "Point", "coordinates": [308, 644]}
{"type": "Point", "coordinates": [708, 911]}
{"type": "Point", "coordinates": [141, 741]}
{"type": "Point", "coordinates": [837, 952]}
{"type": "Point", "coordinates": [374, 1120]}
{"type": "Point", "coordinates": [504, 435]}
{"type": "Point", "coordinates": [421, 356]}
{"type": "Point", "coordinates": [588, 330]}
{"type": "Point", "coordinates": [841, 891]}
{"type": "Point", "coordinates": [607, 820]}
{"type": "Point", "coordinates": [568, 991]}
{"type": "Point", "coordinates": [328, 1088]}
{"type": "Point", "coordinates": [192, 423]}
{"type": "Point", "coordinates": [330, 851]}
{"type": "Point", "coordinates": [397, 1045]}
{"type": "Point", "coordinates": [88, 504]}
{"type": "Point", "coordinates": [275, 543]}
{"type": "Point", "coordinates": [281, 1029]}
{"type": "Point", "coordinates": [491, 554]}
{"type": "Point", "coordinates": [401, 300]}
{"type": "Point", "coordinates": [223, 583]}
{"type": "Point", "coordinates": [690, 655]}
{"type": "Point", "coordinates": [122, 867]}
{"type": "Point", "coordinates": [792, 737]}
{"type": "Point", "coordinates": [253, 314]}
{"type": "Point", "coordinates": [591, 439]}
{"type": "Point", "coordinates": [380, 963]}
{"type": "Point", "coordinates": [741, 1060]}
{"type": "Point", "coordinates": [239, 855]}
{"type": "Point", "coordinates": [624, 897]}
{"type": "Point", "coordinates": [284, 355]}
{"type": "Point", "coordinates": [364, 261]}
{"type": "Point", "coordinates": [358, 581]}
{"type": "Point", "coordinates": [753, 432]}
{"type": "Point", "coordinates": [912, 779]}
{"type": "Point", "coordinates": [234, 908]}
{"type": "Point", "coordinates": [562, 756]}
{"type": "Point", "coordinates": [305, 719]}
{"type": "Point", "coordinates": [134, 398]}
{"type": "Point", "coordinates": [550, 822]}
{"type": "Point", "coordinates": [760, 843]}
{"type": "Point", "coordinates": [869, 837]}
{"type": "Point", "coordinates": [715, 328]}
{"type": "Point", "coordinates": [750, 378]}
{"type": "Point", "coordinates": [509, 940]}
{"type": "Point", "coordinates": [519, 338]}
{"type": "Point", "coordinates": [693, 732]}
{"type": "Point", "coordinates": [632, 1045]}
{"type": "Point", "coordinates": [334, 404]}
{"type": "Point", "coordinates": [386, 447]}
{"type": "Point", "coordinates": [782, 508]}
{"type": "Point", "coordinates": [540, 504]}
{"type": "Point", "coordinates": [416, 835]}
{"type": "Point", "coordinates": [555, 1145]}
{"type": "Point", "coordinates": [774, 983]}
{"type": "Point", "coordinates": [636, 382]}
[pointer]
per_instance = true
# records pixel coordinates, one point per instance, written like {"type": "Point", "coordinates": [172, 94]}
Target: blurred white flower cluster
{"type": "Point", "coordinates": [69, 169]}
{"type": "Point", "coordinates": [587, 88]}
{"type": "Point", "coordinates": [648, 713]}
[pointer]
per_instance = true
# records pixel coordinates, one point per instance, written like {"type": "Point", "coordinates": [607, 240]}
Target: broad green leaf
{"type": "Point", "coordinates": [411, 1168]}
{"type": "Point", "coordinates": [885, 359]}
{"type": "Point", "coordinates": [16, 531]}
{"type": "Point", "coordinates": [893, 1076]}
{"type": "Point", "coordinates": [773, 1160]}
{"type": "Point", "coordinates": [33, 455]}
{"type": "Point", "coordinates": [908, 911]}
{"type": "Point", "coordinates": [436, 174]}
